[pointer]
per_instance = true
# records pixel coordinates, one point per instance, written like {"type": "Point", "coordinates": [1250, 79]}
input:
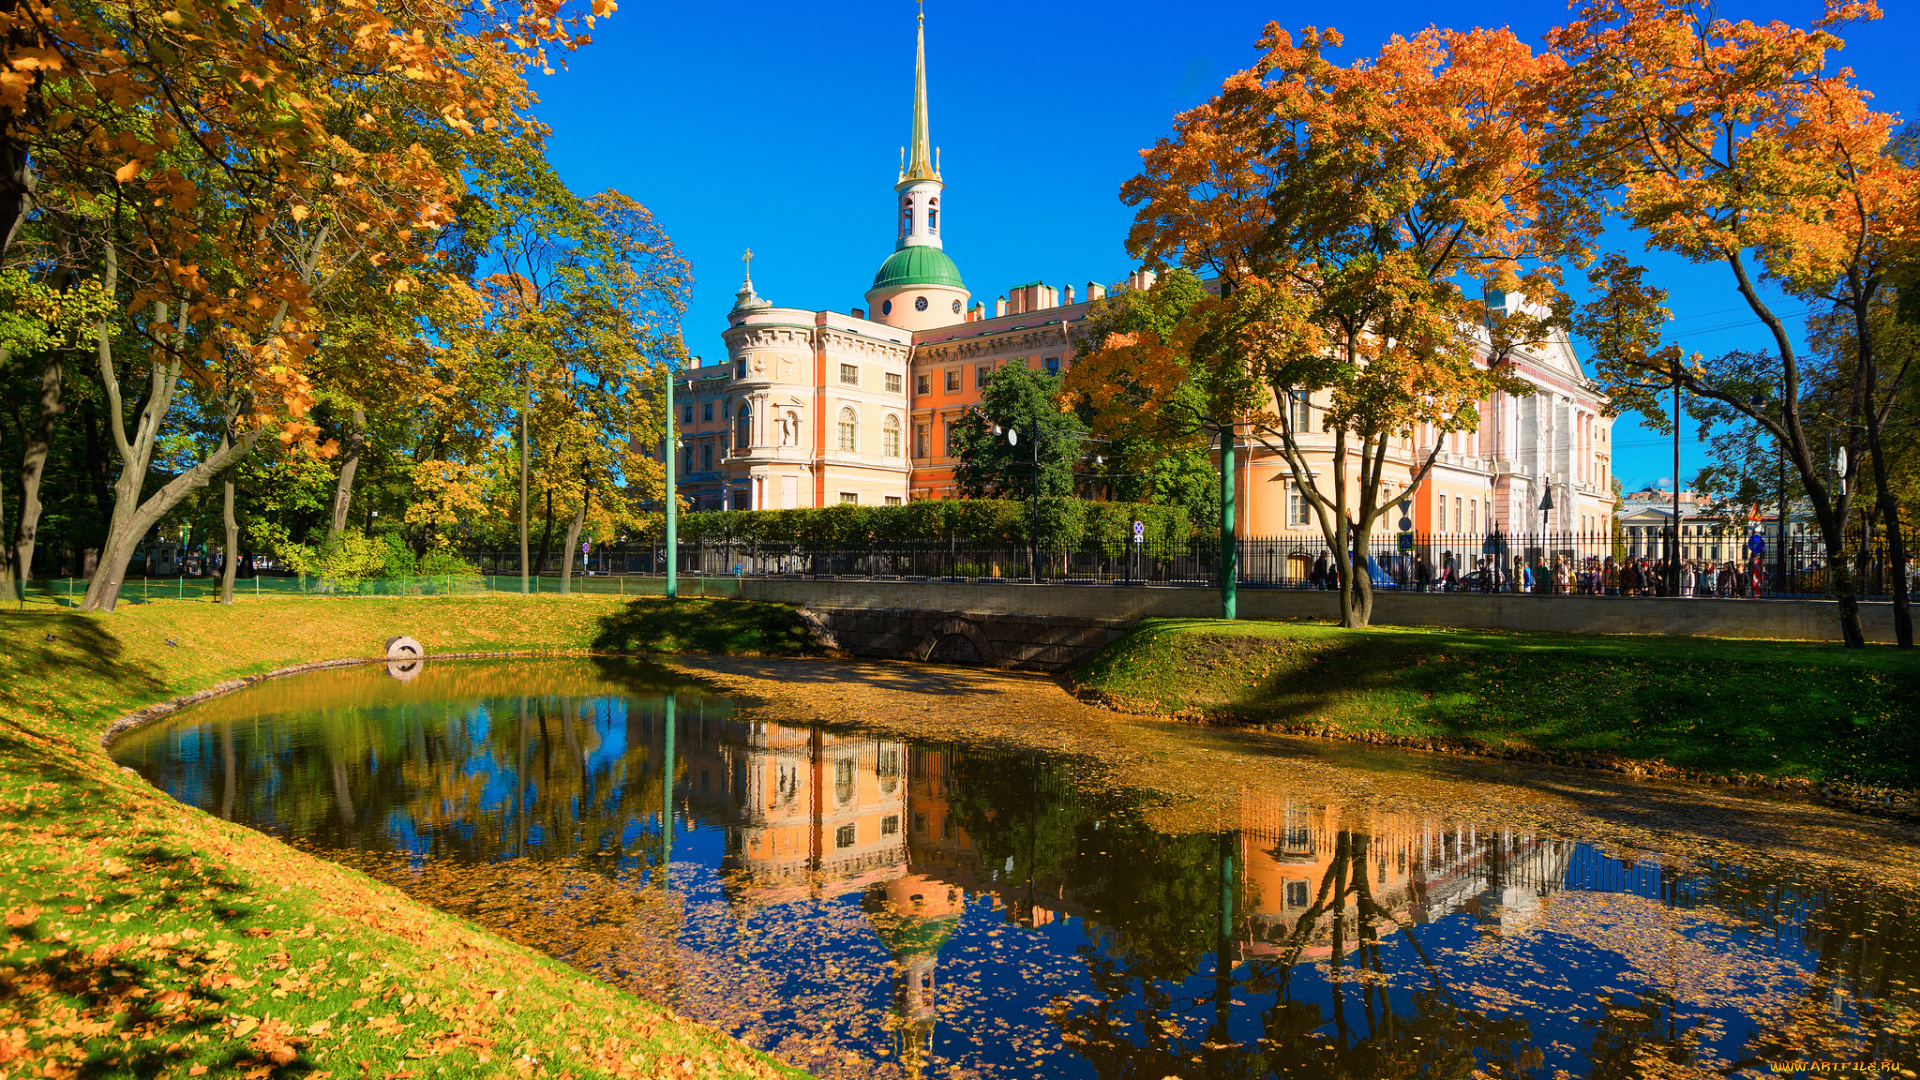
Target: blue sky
{"type": "Point", "coordinates": [777, 126]}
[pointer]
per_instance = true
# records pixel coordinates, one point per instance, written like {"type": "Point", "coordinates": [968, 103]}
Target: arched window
{"type": "Point", "coordinates": [906, 216]}
{"type": "Point", "coordinates": [890, 437]}
{"type": "Point", "coordinates": [848, 429]}
{"type": "Point", "coordinates": [933, 217]}
{"type": "Point", "coordinates": [743, 429]}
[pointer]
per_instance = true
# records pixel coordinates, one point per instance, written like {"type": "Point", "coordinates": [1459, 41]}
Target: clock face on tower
{"type": "Point", "coordinates": [920, 303]}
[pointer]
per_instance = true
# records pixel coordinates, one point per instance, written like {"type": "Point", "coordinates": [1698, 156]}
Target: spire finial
{"type": "Point", "coordinates": [919, 153]}
{"type": "Point", "coordinates": [746, 299]}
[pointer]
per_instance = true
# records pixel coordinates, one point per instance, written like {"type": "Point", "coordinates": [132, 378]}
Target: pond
{"type": "Point", "coordinates": [863, 906]}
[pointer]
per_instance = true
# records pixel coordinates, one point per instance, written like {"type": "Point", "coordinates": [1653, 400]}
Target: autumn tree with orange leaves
{"type": "Point", "coordinates": [1356, 217]}
{"type": "Point", "coordinates": [216, 168]}
{"type": "Point", "coordinates": [1736, 144]}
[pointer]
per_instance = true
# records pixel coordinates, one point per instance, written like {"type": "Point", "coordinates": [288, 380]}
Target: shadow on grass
{"type": "Point", "coordinates": [50, 654]}
{"type": "Point", "coordinates": [728, 627]}
{"type": "Point", "coordinates": [1689, 708]}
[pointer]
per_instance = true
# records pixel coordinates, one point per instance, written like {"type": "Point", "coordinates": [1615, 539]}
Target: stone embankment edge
{"type": "Point", "coordinates": [1635, 768]}
{"type": "Point", "coordinates": [160, 710]}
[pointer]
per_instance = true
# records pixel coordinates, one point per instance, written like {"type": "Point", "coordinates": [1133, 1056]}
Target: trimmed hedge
{"type": "Point", "coordinates": [1064, 523]}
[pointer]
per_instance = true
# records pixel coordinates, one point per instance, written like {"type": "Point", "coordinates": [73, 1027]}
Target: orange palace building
{"type": "Point", "coordinates": [812, 408]}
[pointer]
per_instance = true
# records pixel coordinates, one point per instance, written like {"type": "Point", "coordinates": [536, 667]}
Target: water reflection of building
{"type": "Point", "coordinates": [1408, 868]}
{"type": "Point", "coordinates": [811, 815]}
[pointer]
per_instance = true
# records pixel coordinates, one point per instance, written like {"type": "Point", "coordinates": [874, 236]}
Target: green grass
{"type": "Point", "coordinates": [1775, 710]}
{"type": "Point", "coordinates": [147, 938]}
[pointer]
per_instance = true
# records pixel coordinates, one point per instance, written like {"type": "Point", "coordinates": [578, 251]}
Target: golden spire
{"type": "Point", "coordinates": [920, 154]}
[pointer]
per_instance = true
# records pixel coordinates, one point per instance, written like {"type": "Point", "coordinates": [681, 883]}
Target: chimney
{"type": "Point", "coordinates": [859, 313]}
{"type": "Point", "coordinates": [999, 307]}
{"type": "Point", "coordinates": [1066, 295]}
{"type": "Point", "coordinates": [1096, 291]}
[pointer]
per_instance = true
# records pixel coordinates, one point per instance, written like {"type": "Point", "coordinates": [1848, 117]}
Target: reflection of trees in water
{"type": "Point", "coordinates": [507, 810]}
{"type": "Point", "coordinates": [459, 781]}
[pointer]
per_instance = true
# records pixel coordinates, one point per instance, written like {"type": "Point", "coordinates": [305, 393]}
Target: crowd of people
{"type": "Point", "coordinates": [1564, 575]}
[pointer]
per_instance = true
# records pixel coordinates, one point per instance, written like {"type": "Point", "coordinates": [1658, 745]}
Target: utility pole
{"type": "Point", "coordinates": [670, 452]}
{"type": "Point", "coordinates": [1229, 550]}
{"type": "Point", "coordinates": [1780, 556]}
{"type": "Point", "coordinates": [1673, 551]}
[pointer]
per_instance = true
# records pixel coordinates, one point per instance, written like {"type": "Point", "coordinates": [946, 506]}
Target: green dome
{"type": "Point", "coordinates": [917, 265]}
{"type": "Point", "coordinates": [909, 937]}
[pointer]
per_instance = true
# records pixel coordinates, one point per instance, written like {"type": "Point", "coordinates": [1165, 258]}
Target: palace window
{"type": "Point", "coordinates": [843, 775]}
{"type": "Point", "coordinates": [1299, 411]}
{"type": "Point", "coordinates": [953, 380]}
{"type": "Point", "coordinates": [906, 217]}
{"type": "Point", "coordinates": [848, 430]}
{"type": "Point", "coordinates": [743, 427]}
{"type": "Point", "coordinates": [982, 375]}
{"type": "Point", "coordinates": [890, 437]}
{"type": "Point", "coordinates": [923, 385]}
{"type": "Point", "coordinates": [686, 414]}
{"type": "Point", "coordinates": [849, 375]}
{"type": "Point", "coordinates": [706, 457]}
{"type": "Point", "coordinates": [1297, 506]}
{"type": "Point", "coordinates": [850, 498]}
{"type": "Point", "coordinates": [706, 411]}
{"type": "Point", "coordinates": [933, 216]}
{"type": "Point", "coordinates": [843, 837]}
{"type": "Point", "coordinates": [893, 500]}
{"type": "Point", "coordinates": [893, 383]}
{"type": "Point", "coordinates": [1053, 365]}
{"type": "Point", "coordinates": [922, 441]}
{"type": "Point", "coordinates": [953, 438]}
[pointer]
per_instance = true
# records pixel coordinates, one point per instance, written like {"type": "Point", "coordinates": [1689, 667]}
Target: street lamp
{"type": "Point", "coordinates": [1762, 401]}
{"type": "Point", "coordinates": [1034, 431]}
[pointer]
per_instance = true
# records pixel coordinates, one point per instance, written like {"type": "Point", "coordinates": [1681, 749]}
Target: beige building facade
{"type": "Point", "coordinates": [814, 408]}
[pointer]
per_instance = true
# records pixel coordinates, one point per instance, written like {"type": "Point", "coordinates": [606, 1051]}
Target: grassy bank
{"type": "Point", "coordinates": [146, 938]}
{"type": "Point", "coordinates": [1714, 708]}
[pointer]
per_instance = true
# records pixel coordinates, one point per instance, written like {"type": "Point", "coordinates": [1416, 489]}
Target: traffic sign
{"type": "Point", "coordinates": [1406, 541]}
{"type": "Point", "coordinates": [1406, 523]}
{"type": "Point", "coordinates": [1139, 531]}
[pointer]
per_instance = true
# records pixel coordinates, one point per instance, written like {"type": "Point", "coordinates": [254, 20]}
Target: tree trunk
{"type": "Point", "coordinates": [34, 462]}
{"type": "Point", "coordinates": [525, 582]}
{"type": "Point", "coordinates": [229, 563]}
{"type": "Point", "coordinates": [546, 534]}
{"type": "Point", "coordinates": [573, 537]}
{"type": "Point", "coordinates": [6, 568]}
{"type": "Point", "coordinates": [132, 515]}
{"type": "Point", "coordinates": [349, 465]}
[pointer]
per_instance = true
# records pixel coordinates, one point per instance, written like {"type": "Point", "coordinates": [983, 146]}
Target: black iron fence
{"type": "Point", "coordinates": [1551, 563]}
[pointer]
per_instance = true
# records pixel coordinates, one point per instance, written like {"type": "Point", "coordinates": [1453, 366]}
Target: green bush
{"type": "Point", "coordinates": [1063, 523]}
{"type": "Point", "coordinates": [354, 558]}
